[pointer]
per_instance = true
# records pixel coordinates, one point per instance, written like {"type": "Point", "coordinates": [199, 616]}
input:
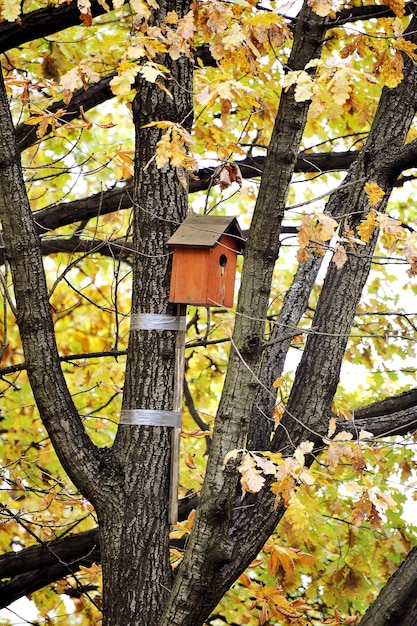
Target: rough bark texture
{"type": "Point", "coordinates": [196, 587]}
{"type": "Point", "coordinates": [129, 483]}
{"type": "Point", "coordinates": [319, 370]}
{"type": "Point", "coordinates": [134, 533]}
{"type": "Point", "coordinates": [77, 454]}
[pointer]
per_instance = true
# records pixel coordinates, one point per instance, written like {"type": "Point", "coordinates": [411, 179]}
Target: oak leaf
{"type": "Point", "coordinates": [226, 174]}
{"type": "Point", "coordinates": [340, 86]}
{"type": "Point", "coordinates": [410, 251]}
{"type": "Point", "coordinates": [397, 6]}
{"type": "Point", "coordinates": [323, 8]}
{"type": "Point", "coordinates": [69, 83]}
{"type": "Point", "coordinates": [390, 225]}
{"type": "Point", "coordinates": [252, 480]}
{"type": "Point", "coordinates": [406, 46]}
{"type": "Point", "coordinates": [10, 10]}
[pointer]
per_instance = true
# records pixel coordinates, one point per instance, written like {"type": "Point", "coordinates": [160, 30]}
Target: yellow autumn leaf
{"type": "Point", "coordinates": [140, 8]}
{"type": "Point", "coordinates": [305, 232]}
{"type": "Point", "coordinates": [389, 68]}
{"type": "Point", "coordinates": [406, 46]}
{"type": "Point", "coordinates": [367, 227]}
{"type": "Point", "coordinates": [340, 86]}
{"type": "Point", "coordinates": [69, 83]}
{"type": "Point", "coordinates": [304, 90]}
{"type": "Point", "coordinates": [285, 558]}
{"type": "Point", "coordinates": [322, 7]}
{"type": "Point", "coordinates": [151, 71]}
{"type": "Point", "coordinates": [245, 580]}
{"type": "Point", "coordinates": [303, 255]}
{"type": "Point", "coordinates": [10, 10]}
{"type": "Point", "coordinates": [374, 193]}
{"type": "Point", "coordinates": [252, 480]}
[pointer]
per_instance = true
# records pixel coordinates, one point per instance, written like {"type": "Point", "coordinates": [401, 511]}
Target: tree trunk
{"type": "Point", "coordinates": [134, 531]}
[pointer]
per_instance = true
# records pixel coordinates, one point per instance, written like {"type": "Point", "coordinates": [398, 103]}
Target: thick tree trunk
{"type": "Point", "coordinates": [196, 587]}
{"type": "Point", "coordinates": [134, 531]}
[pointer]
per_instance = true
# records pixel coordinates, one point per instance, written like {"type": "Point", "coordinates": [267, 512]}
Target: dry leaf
{"type": "Point", "coordinates": [374, 193]}
{"type": "Point", "coordinates": [339, 257]}
{"type": "Point", "coordinates": [226, 174]}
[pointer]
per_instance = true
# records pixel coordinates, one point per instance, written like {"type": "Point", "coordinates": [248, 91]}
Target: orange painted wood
{"type": "Point", "coordinates": [204, 276]}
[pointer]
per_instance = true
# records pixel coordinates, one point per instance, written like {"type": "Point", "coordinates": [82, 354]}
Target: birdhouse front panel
{"type": "Point", "coordinates": [204, 260]}
{"type": "Point", "coordinates": [221, 273]}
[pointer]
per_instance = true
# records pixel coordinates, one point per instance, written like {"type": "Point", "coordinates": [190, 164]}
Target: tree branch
{"type": "Point", "coordinates": [79, 457]}
{"type": "Point", "coordinates": [116, 249]}
{"type": "Point", "coordinates": [44, 22]}
{"type": "Point", "coordinates": [87, 99]}
{"type": "Point", "coordinates": [35, 567]}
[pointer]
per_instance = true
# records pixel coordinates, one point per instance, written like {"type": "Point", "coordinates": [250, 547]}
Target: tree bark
{"type": "Point", "coordinates": [196, 587]}
{"type": "Point", "coordinates": [134, 534]}
{"type": "Point", "coordinates": [79, 457]}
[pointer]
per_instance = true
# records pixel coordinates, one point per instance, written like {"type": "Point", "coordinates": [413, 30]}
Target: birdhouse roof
{"type": "Point", "coordinates": [206, 231]}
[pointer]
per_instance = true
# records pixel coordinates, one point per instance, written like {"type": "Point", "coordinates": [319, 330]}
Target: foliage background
{"type": "Point", "coordinates": [349, 518]}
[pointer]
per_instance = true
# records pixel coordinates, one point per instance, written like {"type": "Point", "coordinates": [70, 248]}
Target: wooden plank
{"type": "Point", "coordinates": [176, 432]}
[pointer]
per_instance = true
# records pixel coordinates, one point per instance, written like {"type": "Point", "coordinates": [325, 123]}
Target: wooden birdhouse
{"type": "Point", "coordinates": [205, 248]}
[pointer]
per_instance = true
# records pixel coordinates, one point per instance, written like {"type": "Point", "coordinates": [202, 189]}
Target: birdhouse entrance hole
{"type": "Point", "coordinates": [222, 262]}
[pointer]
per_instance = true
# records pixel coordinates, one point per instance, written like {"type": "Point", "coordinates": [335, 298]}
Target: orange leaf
{"type": "Point", "coordinates": [374, 193]}
{"type": "Point", "coordinates": [367, 227]}
{"type": "Point", "coordinates": [286, 560]}
{"type": "Point", "coordinates": [263, 615]}
{"type": "Point", "coordinates": [245, 580]}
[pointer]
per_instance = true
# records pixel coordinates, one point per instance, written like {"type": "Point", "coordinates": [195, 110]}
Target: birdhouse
{"type": "Point", "coordinates": [205, 249]}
